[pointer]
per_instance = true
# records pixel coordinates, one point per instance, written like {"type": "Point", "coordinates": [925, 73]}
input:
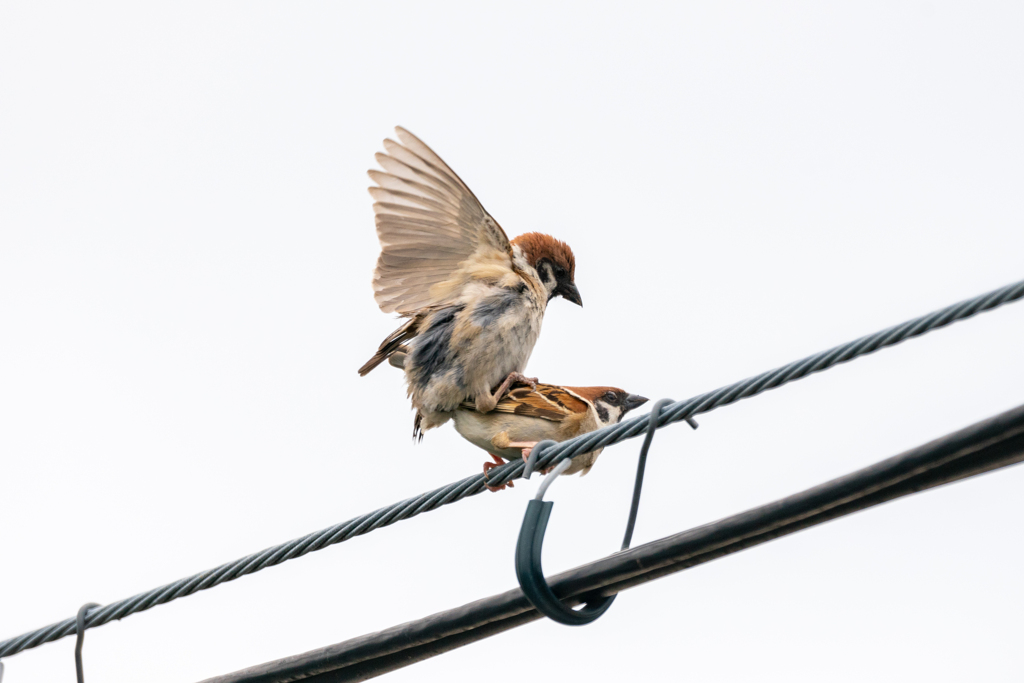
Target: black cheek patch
{"type": "Point", "coordinates": [546, 271]}
{"type": "Point", "coordinates": [602, 412]}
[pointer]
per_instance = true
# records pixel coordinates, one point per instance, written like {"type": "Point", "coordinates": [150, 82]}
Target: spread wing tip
{"type": "Point", "coordinates": [429, 224]}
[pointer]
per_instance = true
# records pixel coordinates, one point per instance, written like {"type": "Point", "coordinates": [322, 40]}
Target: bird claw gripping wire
{"type": "Point", "coordinates": [80, 638]}
{"type": "Point", "coordinates": [531, 536]}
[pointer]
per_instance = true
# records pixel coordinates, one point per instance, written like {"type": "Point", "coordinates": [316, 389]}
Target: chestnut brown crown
{"type": "Point", "coordinates": [537, 246]}
{"type": "Point", "coordinates": [612, 396]}
{"type": "Point", "coordinates": [594, 393]}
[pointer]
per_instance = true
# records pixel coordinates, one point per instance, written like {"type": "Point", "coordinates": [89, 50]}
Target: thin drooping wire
{"type": "Point", "coordinates": [471, 486]}
{"type": "Point", "coordinates": [80, 640]}
{"type": "Point", "coordinates": [641, 466]}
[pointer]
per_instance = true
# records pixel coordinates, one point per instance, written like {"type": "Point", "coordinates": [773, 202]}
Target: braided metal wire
{"type": "Point", "coordinates": [471, 486]}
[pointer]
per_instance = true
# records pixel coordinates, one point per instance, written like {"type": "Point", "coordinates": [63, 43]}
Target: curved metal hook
{"type": "Point", "coordinates": [531, 536]}
{"type": "Point", "coordinates": [528, 565]}
{"type": "Point", "coordinates": [80, 638]}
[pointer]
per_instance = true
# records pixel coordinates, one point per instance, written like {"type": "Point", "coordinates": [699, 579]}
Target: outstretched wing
{"type": "Point", "coordinates": [547, 401]}
{"type": "Point", "coordinates": [434, 233]}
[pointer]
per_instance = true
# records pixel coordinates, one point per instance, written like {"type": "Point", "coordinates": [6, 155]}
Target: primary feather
{"type": "Point", "coordinates": [431, 227]}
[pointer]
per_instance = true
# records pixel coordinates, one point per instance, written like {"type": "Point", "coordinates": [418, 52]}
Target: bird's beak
{"type": "Point", "coordinates": [570, 293]}
{"type": "Point", "coordinates": [634, 401]}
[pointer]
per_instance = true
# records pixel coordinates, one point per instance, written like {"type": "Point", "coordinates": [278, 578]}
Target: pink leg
{"type": "Point", "coordinates": [512, 378]}
{"type": "Point", "coordinates": [488, 466]}
{"type": "Point", "coordinates": [527, 446]}
{"type": "Point", "coordinates": [485, 402]}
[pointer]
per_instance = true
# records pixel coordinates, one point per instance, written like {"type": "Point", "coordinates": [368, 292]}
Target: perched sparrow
{"type": "Point", "coordinates": [528, 415]}
{"type": "Point", "coordinates": [474, 300]}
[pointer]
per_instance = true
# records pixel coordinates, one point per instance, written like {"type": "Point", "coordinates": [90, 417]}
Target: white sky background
{"type": "Point", "coordinates": [186, 245]}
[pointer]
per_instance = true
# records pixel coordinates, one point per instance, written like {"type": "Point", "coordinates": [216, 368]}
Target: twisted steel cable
{"type": "Point", "coordinates": [470, 486]}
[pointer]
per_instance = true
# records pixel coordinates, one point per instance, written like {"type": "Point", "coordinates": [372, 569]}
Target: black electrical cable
{"type": "Point", "coordinates": [471, 486]}
{"type": "Point", "coordinates": [989, 445]}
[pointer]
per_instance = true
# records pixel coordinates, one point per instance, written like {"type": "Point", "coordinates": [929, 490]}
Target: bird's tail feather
{"type": "Point", "coordinates": [417, 427]}
{"type": "Point", "coordinates": [393, 345]}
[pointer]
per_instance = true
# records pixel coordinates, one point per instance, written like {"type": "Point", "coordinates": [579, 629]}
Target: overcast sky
{"type": "Point", "coordinates": [186, 245]}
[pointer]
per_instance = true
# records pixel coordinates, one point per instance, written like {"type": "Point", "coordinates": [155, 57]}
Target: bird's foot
{"type": "Point", "coordinates": [523, 379]}
{"type": "Point", "coordinates": [488, 466]}
{"type": "Point", "coordinates": [485, 403]}
{"type": "Point", "coordinates": [512, 378]}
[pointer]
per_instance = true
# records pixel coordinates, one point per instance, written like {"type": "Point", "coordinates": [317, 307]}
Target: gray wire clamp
{"type": "Point", "coordinates": [80, 627]}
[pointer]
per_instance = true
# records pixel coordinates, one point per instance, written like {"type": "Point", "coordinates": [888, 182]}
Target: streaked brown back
{"type": "Point", "coordinates": [547, 401]}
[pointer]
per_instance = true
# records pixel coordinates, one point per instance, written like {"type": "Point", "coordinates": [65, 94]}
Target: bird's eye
{"type": "Point", "coordinates": [610, 396]}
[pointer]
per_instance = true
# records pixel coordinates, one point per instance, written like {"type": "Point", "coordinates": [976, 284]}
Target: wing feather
{"type": "Point", "coordinates": [391, 182]}
{"type": "Point", "coordinates": [429, 224]}
{"type": "Point", "coordinates": [548, 402]}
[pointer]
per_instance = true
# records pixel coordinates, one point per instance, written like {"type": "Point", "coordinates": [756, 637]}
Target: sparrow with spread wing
{"type": "Point", "coordinates": [527, 415]}
{"type": "Point", "coordinates": [474, 300]}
